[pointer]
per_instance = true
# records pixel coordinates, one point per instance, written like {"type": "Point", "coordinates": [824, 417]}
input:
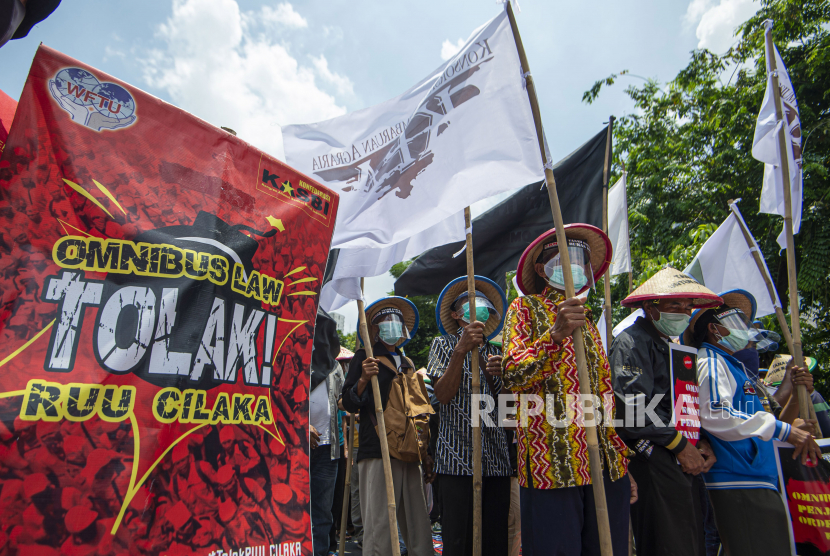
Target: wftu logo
{"type": "Point", "coordinates": [91, 103]}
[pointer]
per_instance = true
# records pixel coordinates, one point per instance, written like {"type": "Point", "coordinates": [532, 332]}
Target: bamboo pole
{"type": "Point", "coordinates": [762, 268]}
{"type": "Point", "coordinates": [347, 489]}
{"type": "Point", "coordinates": [594, 456]}
{"type": "Point", "coordinates": [384, 445]}
{"type": "Point", "coordinates": [476, 379]}
{"type": "Point", "coordinates": [609, 321]}
{"type": "Point", "coordinates": [792, 281]}
{"type": "Point", "coordinates": [779, 313]}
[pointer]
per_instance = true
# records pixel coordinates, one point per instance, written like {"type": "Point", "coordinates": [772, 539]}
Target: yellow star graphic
{"type": "Point", "coordinates": [287, 189]}
{"type": "Point", "coordinates": [275, 223]}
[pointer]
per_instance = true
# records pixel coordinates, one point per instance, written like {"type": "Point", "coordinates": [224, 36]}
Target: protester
{"type": "Point", "coordinates": [17, 17]}
{"type": "Point", "coordinates": [326, 385]}
{"type": "Point", "coordinates": [558, 515]}
{"type": "Point", "coordinates": [392, 322]}
{"type": "Point", "coordinates": [450, 368]}
{"type": "Point", "coordinates": [668, 517]}
{"type": "Point", "coordinates": [741, 433]}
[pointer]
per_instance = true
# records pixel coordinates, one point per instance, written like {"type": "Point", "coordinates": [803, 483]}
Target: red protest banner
{"type": "Point", "coordinates": [685, 391]}
{"type": "Point", "coordinates": [806, 490]}
{"type": "Point", "coordinates": [159, 283]}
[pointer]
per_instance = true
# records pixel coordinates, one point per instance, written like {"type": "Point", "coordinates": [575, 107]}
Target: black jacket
{"type": "Point", "coordinates": [365, 405]}
{"type": "Point", "coordinates": [639, 360]}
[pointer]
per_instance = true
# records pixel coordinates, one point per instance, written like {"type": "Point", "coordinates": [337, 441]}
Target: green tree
{"type": "Point", "coordinates": [687, 151]}
{"type": "Point", "coordinates": [348, 341]}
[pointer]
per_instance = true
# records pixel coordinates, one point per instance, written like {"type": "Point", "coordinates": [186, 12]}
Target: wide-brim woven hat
{"type": "Point", "coordinates": [598, 242]}
{"type": "Point", "coordinates": [777, 369]}
{"type": "Point", "coordinates": [443, 309]}
{"type": "Point", "coordinates": [411, 319]}
{"type": "Point", "coordinates": [670, 283]}
{"type": "Point", "coordinates": [734, 299]}
{"type": "Point", "coordinates": [345, 354]}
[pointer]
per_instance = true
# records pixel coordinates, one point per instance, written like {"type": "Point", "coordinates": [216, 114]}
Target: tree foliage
{"type": "Point", "coordinates": [687, 151]}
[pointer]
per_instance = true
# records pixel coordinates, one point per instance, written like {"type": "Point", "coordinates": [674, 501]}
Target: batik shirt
{"type": "Point", "coordinates": [556, 456]}
{"type": "Point", "coordinates": [454, 447]}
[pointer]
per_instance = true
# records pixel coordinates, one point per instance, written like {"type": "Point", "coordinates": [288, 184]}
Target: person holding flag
{"type": "Point", "coordinates": [741, 432]}
{"type": "Point", "coordinates": [557, 503]}
{"type": "Point", "coordinates": [449, 368]}
{"type": "Point", "coordinates": [667, 518]}
{"type": "Point", "coordinates": [393, 321]}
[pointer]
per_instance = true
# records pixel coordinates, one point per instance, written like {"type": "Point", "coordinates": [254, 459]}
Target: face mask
{"type": "Point", "coordinates": [672, 324]}
{"type": "Point", "coordinates": [10, 18]}
{"type": "Point", "coordinates": [482, 313]}
{"type": "Point", "coordinates": [736, 341]}
{"type": "Point", "coordinates": [390, 332]}
{"type": "Point", "coordinates": [751, 360]}
{"type": "Point", "coordinates": [557, 278]}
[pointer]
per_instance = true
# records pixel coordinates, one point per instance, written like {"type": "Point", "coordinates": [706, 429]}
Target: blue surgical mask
{"type": "Point", "coordinates": [557, 278]}
{"type": "Point", "coordinates": [736, 341]}
{"type": "Point", "coordinates": [482, 313]}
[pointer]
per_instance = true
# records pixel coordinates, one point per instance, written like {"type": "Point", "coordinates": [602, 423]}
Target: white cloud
{"type": "Point", "coordinates": [342, 84]}
{"type": "Point", "coordinates": [448, 49]}
{"type": "Point", "coordinates": [213, 64]}
{"type": "Point", "coordinates": [717, 20]}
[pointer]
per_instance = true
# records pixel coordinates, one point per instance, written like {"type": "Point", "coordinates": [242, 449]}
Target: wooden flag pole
{"type": "Point", "coordinates": [347, 489]}
{"type": "Point", "coordinates": [783, 149]}
{"type": "Point", "coordinates": [475, 372]}
{"type": "Point", "coordinates": [609, 321]}
{"type": "Point", "coordinates": [384, 445]}
{"type": "Point", "coordinates": [594, 456]}
{"type": "Point", "coordinates": [759, 262]}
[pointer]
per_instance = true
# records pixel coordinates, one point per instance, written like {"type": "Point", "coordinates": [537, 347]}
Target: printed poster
{"type": "Point", "coordinates": [160, 281]}
{"type": "Point", "coordinates": [806, 493]}
{"type": "Point", "coordinates": [685, 391]}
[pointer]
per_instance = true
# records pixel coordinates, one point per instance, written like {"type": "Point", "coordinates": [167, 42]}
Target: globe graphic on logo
{"type": "Point", "coordinates": [72, 82]}
{"type": "Point", "coordinates": [121, 104]}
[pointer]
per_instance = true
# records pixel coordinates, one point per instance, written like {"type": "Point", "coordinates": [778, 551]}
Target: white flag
{"type": "Point", "coordinates": [725, 262]}
{"type": "Point", "coordinates": [618, 228]}
{"type": "Point", "coordinates": [463, 134]}
{"type": "Point", "coordinates": [765, 145]}
{"type": "Point", "coordinates": [352, 264]}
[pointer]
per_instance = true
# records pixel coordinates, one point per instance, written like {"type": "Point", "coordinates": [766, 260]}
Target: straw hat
{"type": "Point", "coordinates": [598, 242]}
{"type": "Point", "coordinates": [734, 299]}
{"type": "Point", "coordinates": [443, 308]}
{"type": "Point", "coordinates": [405, 306]}
{"type": "Point", "coordinates": [778, 369]}
{"type": "Point", "coordinates": [345, 354]}
{"type": "Point", "coordinates": [670, 283]}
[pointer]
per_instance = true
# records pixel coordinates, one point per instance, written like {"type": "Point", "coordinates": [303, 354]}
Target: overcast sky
{"type": "Point", "coordinates": [254, 65]}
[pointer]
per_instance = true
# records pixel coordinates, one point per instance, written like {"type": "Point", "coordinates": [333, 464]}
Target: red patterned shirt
{"type": "Point", "coordinates": [553, 448]}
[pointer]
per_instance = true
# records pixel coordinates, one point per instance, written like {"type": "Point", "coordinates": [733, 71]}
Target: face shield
{"type": "Point", "coordinates": [391, 328]}
{"type": "Point", "coordinates": [770, 341]}
{"type": "Point", "coordinates": [739, 332]}
{"type": "Point", "coordinates": [484, 308]}
{"type": "Point", "coordinates": [581, 270]}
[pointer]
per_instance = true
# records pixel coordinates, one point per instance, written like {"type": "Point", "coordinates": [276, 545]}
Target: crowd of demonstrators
{"type": "Point", "coordinates": [680, 495]}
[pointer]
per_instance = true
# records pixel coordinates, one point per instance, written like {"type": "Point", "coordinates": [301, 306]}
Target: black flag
{"type": "Point", "coordinates": [501, 234]}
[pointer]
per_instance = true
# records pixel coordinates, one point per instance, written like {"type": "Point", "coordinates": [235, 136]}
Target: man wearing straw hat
{"type": "Point", "coordinates": [741, 431]}
{"type": "Point", "coordinates": [668, 517]}
{"type": "Point", "coordinates": [392, 322]}
{"type": "Point", "coordinates": [558, 514]}
{"type": "Point", "coordinates": [449, 368]}
{"type": "Point", "coordinates": [782, 378]}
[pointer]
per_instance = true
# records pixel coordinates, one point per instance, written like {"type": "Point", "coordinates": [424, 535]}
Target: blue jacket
{"type": "Point", "coordinates": [735, 422]}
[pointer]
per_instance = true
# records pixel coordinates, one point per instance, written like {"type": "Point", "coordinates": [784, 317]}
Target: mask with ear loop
{"type": "Point", "coordinates": [739, 333]}
{"type": "Point", "coordinates": [391, 328]}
